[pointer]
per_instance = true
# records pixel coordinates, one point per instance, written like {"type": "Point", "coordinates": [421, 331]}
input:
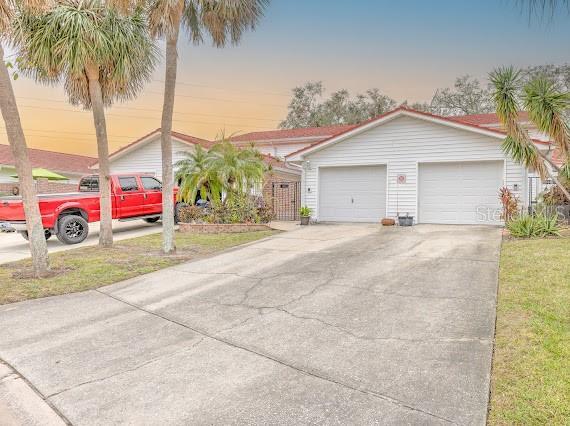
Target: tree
{"type": "Point", "coordinates": [308, 108]}
{"type": "Point", "coordinates": [100, 55]}
{"type": "Point", "coordinates": [546, 106]}
{"type": "Point", "coordinates": [224, 170]}
{"type": "Point", "coordinates": [466, 97]}
{"type": "Point", "coordinates": [19, 148]}
{"type": "Point", "coordinates": [225, 21]}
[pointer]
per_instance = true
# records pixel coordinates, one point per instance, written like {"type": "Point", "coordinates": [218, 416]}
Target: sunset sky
{"type": "Point", "coordinates": [407, 49]}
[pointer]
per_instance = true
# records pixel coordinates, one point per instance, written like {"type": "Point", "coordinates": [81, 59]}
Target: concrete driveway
{"type": "Point", "coordinates": [330, 324]}
{"type": "Point", "coordinates": [13, 247]}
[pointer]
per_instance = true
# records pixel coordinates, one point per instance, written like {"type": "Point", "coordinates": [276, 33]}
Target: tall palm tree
{"type": "Point", "coordinates": [546, 107]}
{"type": "Point", "coordinates": [100, 55]}
{"type": "Point", "coordinates": [19, 148]}
{"type": "Point", "coordinates": [195, 174]}
{"type": "Point", "coordinates": [224, 21]}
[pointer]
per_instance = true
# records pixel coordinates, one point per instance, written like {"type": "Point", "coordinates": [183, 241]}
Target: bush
{"type": "Point", "coordinates": [190, 214]}
{"type": "Point", "coordinates": [510, 204]}
{"type": "Point", "coordinates": [532, 226]}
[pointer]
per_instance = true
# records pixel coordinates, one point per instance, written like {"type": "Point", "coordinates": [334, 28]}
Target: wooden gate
{"type": "Point", "coordinates": [286, 200]}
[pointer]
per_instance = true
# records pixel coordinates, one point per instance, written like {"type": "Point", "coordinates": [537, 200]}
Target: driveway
{"type": "Point", "coordinates": [13, 247]}
{"type": "Point", "coordinates": [329, 324]}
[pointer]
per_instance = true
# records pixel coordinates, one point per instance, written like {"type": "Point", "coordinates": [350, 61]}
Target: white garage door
{"type": "Point", "coordinates": [352, 194]}
{"type": "Point", "coordinates": [462, 193]}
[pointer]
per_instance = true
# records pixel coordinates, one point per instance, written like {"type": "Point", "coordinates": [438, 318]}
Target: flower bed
{"type": "Point", "coordinates": [215, 228]}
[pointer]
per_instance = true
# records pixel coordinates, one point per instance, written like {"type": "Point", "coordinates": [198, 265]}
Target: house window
{"type": "Point", "coordinates": [128, 184]}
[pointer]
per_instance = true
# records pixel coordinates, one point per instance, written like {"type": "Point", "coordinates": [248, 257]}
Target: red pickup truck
{"type": "Point", "coordinates": [133, 196]}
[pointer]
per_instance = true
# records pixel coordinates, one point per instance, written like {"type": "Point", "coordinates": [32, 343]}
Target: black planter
{"type": "Point", "coordinates": [405, 220]}
{"type": "Point", "coordinates": [305, 220]}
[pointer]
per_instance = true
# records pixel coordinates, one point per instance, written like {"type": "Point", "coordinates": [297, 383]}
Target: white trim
{"type": "Point", "coordinates": [389, 117]}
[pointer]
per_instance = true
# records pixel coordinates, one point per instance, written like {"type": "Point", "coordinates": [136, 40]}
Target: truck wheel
{"type": "Point", "coordinates": [151, 219]}
{"type": "Point", "coordinates": [72, 229]}
{"type": "Point", "coordinates": [26, 237]}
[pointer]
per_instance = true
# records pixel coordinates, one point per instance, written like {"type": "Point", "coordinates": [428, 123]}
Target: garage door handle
{"type": "Point", "coordinates": [352, 200]}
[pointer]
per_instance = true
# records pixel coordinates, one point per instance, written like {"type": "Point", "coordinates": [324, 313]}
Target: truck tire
{"type": "Point", "coordinates": [26, 237]}
{"type": "Point", "coordinates": [151, 219]}
{"type": "Point", "coordinates": [72, 229]}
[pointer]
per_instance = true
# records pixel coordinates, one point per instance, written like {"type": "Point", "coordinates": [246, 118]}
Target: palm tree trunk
{"type": "Point", "coordinates": [106, 225]}
{"type": "Point", "coordinates": [37, 241]}
{"type": "Point", "coordinates": [171, 59]}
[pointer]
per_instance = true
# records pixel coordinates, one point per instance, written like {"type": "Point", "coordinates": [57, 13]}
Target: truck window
{"type": "Point", "coordinates": [89, 184]}
{"type": "Point", "coordinates": [150, 183]}
{"type": "Point", "coordinates": [128, 183]}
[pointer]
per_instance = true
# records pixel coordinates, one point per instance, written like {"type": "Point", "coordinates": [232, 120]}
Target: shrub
{"type": "Point", "coordinates": [190, 214]}
{"type": "Point", "coordinates": [237, 208]}
{"type": "Point", "coordinates": [532, 226]}
{"type": "Point", "coordinates": [554, 196]}
{"type": "Point", "coordinates": [510, 204]}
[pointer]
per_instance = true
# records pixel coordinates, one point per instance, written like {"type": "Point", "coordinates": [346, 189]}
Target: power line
{"type": "Point", "coordinates": [263, 92]}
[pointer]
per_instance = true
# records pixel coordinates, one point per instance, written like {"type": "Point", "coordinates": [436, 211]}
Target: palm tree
{"type": "Point", "coordinates": [19, 148]}
{"type": "Point", "coordinates": [546, 107]}
{"type": "Point", "coordinates": [101, 56]}
{"type": "Point", "coordinates": [238, 170]}
{"type": "Point", "coordinates": [195, 174]}
{"type": "Point", "coordinates": [223, 171]}
{"type": "Point", "coordinates": [224, 21]}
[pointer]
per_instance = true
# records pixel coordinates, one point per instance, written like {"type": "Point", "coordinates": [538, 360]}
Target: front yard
{"type": "Point", "coordinates": [92, 267]}
{"type": "Point", "coordinates": [531, 366]}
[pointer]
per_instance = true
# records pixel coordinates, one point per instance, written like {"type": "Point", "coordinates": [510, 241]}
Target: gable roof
{"type": "Point", "coordinates": [289, 135]}
{"type": "Point", "coordinates": [410, 112]}
{"type": "Point", "coordinates": [181, 137]}
{"type": "Point", "coordinates": [51, 160]}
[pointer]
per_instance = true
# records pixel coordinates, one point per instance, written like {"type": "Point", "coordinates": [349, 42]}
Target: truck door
{"type": "Point", "coordinates": [129, 197]}
{"type": "Point", "coordinates": [153, 195]}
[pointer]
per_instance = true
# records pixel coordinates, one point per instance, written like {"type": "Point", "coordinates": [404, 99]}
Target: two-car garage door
{"type": "Point", "coordinates": [448, 192]}
{"type": "Point", "coordinates": [460, 193]}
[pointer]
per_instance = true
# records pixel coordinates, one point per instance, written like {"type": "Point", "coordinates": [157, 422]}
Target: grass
{"type": "Point", "coordinates": [531, 365]}
{"type": "Point", "coordinates": [91, 267]}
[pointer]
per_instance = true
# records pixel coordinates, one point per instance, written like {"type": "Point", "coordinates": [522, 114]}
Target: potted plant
{"type": "Point", "coordinates": [305, 213]}
{"type": "Point", "coordinates": [406, 220]}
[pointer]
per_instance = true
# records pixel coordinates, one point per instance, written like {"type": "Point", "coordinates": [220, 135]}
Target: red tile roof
{"type": "Point", "coordinates": [300, 133]}
{"type": "Point", "coordinates": [54, 161]}
{"type": "Point", "coordinates": [485, 119]}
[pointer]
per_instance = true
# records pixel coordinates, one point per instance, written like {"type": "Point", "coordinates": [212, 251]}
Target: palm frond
{"type": "Point", "coordinates": [59, 44]}
{"type": "Point", "coordinates": [517, 144]}
{"type": "Point", "coordinates": [547, 106]}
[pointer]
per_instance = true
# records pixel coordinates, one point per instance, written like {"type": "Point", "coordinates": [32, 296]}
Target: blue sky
{"type": "Point", "coordinates": [405, 48]}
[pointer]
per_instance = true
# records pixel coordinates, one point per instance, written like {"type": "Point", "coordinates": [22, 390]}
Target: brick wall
{"type": "Point", "coordinates": [215, 228]}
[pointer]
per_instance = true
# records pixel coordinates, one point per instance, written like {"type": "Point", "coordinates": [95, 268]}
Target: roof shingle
{"type": "Point", "coordinates": [54, 161]}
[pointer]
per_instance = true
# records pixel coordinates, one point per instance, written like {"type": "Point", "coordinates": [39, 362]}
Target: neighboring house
{"type": "Point", "coordinates": [280, 143]}
{"type": "Point", "coordinates": [69, 165]}
{"type": "Point", "coordinates": [437, 169]}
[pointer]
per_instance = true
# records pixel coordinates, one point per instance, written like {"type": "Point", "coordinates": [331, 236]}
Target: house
{"type": "Point", "coordinates": [436, 169]}
{"type": "Point", "coordinates": [71, 166]}
{"type": "Point", "coordinates": [280, 143]}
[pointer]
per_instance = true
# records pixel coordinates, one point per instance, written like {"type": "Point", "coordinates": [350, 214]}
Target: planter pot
{"type": "Point", "coordinates": [305, 220]}
{"type": "Point", "coordinates": [405, 220]}
{"type": "Point", "coordinates": [387, 221]}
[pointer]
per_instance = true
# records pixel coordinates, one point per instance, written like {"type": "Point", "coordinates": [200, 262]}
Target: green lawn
{"type": "Point", "coordinates": [91, 267]}
{"type": "Point", "coordinates": [531, 366]}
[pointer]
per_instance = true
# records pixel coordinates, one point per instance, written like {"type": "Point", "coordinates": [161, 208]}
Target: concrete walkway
{"type": "Point", "coordinates": [339, 324]}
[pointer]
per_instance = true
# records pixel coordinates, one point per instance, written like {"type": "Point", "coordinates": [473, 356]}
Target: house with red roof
{"type": "Point", "coordinates": [436, 169]}
{"type": "Point", "coordinates": [71, 166]}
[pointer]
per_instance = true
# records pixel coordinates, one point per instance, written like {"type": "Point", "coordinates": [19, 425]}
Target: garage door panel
{"type": "Point", "coordinates": [352, 194]}
{"type": "Point", "coordinates": [456, 192]}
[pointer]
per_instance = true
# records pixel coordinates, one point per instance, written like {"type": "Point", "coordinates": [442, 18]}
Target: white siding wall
{"type": "Point", "coordinates": [148, 158]}
{"type": "Point", "coordinates": [401, 144]}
